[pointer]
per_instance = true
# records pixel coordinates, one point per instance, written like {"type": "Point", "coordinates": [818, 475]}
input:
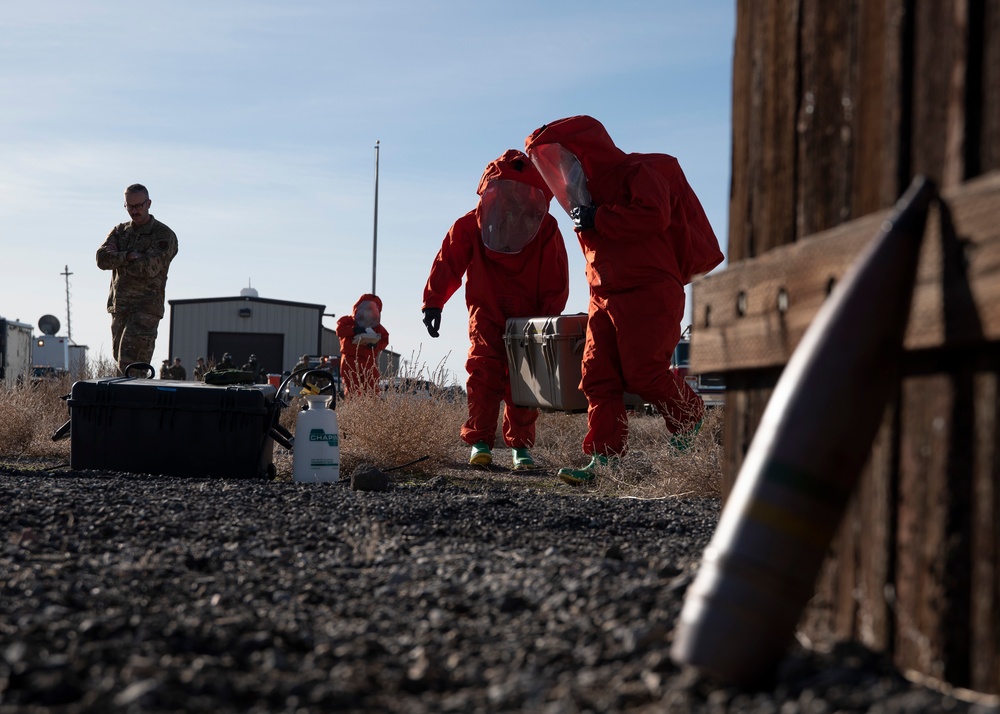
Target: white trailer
{"type": "Point", "coordinates": [15, 352]}
{"type": "Point", "coordinates": [52, 353]}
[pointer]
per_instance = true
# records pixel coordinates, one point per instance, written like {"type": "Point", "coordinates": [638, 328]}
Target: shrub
{"type": "Point", "coordinates": [420, 415]}
{"type": "Point", "coordinates": [29, 415]}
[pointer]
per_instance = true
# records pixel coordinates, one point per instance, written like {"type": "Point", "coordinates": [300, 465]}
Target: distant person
{"type": "Point", "coordinates": [253, 367]}
{"type": "Point", "coordinates": [300, 368]}
{"type": "Point", "coordinates": [165, 369]}
{"type": "Point", "coordinates": [644, 235]}
{"type": "Point", "coordinates": [198, 373]}
{"type": "Point", "coordinates": [362, 338]}
{"type": "Point", "coordinates": [227, 362]}
{"type": "Point", "coordinates": [138, 253]}
{"type": "Point", "coordinates": [512, 253]}
{"type": "Point", "coordinates": [177, 370]}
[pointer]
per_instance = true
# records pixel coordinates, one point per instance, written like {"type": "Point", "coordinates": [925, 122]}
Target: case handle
{"type": "Point", "coordinates": [141, 365]}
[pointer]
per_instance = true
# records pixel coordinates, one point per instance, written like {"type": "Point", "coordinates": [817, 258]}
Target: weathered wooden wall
{"type": "Point", "coordinates": [837, 104]}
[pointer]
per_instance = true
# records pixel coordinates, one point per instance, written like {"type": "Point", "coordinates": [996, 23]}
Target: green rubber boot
{"type": "Point", "coordinates": [481, 454]}
{"type": "Point", "coordinates": [684, 440]}
{"type": "Point", "coordinates": [521, 460]}
{"type": "Point", "coordinates": [579, 477]}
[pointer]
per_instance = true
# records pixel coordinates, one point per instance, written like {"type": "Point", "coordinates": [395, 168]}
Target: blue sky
{"type": "Point", "coordinates": [254, 124]}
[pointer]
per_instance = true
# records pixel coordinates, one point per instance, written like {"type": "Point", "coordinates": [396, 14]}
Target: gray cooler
{"type": "Point", "coordinates": [544, 355]}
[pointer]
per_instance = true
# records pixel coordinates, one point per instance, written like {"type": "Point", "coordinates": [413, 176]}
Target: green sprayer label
{"type": "Point", "coordinates": [320, 435]}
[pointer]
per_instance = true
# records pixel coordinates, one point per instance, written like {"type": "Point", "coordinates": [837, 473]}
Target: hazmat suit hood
{"type": "Point", "coordinates": [514, 199]}
{"type": "Point", "coordinates": [368, 311]}
{"type": "Point", "coordinates": [563, 149]}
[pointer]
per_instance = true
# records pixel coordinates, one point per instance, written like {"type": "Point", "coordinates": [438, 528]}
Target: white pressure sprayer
{"type": "Point", "coordinates": [316, 452]}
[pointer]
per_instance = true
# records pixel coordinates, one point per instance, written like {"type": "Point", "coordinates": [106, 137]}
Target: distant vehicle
{"type": "Point", "coordinates": [419, 388]}
{"type": "Point", "coordinates": [423, 389]}
{"type": "Point", "coordinates": [711, 387]}
{"type": "Point", "coordinates": [15, 352]}
{"type": "Point", "coordinates": [42, 374]}
{"type": "Point", "coordinates": [60, 353]}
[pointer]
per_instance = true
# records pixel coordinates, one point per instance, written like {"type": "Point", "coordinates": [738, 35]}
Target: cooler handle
{"type": "Point", "coordinates": [548, 352]}
{"type": "Point", "coordinates": [527, 340]}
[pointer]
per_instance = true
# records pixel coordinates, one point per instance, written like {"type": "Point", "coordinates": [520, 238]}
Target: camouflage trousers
{"type": "Point", "coordinates": [133, 337]}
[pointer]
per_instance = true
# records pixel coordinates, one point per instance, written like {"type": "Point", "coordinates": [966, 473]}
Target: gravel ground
{"type": "Point", "coordinates": [151, 594]}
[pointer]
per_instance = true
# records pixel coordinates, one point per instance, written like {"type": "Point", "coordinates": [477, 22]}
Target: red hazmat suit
{"type": "Point", "coordinates": [650, 236]}
{"type": "Point", "coordinates": [533, 281]}
{"type": "Point", "coordinates": [358, 348]}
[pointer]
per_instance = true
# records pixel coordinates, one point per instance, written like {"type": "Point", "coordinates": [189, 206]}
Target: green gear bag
{"type": "Point", "coordinates": [229, 376]}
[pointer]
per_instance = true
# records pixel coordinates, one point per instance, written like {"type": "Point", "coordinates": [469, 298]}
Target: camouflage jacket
{"type": "Point", "coordinates": [139, 285]}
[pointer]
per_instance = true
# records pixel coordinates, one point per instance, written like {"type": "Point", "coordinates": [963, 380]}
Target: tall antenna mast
{"type": "Point", "coordinates": [69, 322]}
{"type": "Point", "coordinates": [375, 235]}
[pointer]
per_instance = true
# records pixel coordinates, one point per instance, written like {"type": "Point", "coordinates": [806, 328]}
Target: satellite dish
{"type": "Point", "coordinates": [48, 324]}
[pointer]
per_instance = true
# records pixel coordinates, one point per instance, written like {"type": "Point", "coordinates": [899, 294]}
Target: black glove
{"type": "Point", "coordinates": [583, 217]}
{"type": "Point", "coordinates": [432, 320]}
{"type": "Point", "coordinates": [358, 329]}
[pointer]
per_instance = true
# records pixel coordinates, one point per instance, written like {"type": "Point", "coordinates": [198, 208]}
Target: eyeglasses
{"type": "Point", "coordinates": [136, 205]}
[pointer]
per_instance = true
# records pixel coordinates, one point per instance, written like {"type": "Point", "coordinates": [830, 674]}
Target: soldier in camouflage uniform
{"type": "Point", "coordinates": [199, 370]}
{"type": "Point", "coordinates": [138, 253]}
{"type": "Point", "coordinates": [177, 370]}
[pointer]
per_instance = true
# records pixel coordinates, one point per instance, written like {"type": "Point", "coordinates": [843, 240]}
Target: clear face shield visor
{"type": "Point", "coordinates": [367, 314]}
{"type": "Point", "coordinates": [563, 173]}
{"type": "Point", "coordinates": [510, 214]}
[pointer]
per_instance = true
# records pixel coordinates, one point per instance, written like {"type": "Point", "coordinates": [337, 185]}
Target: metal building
{"type": "Point", "coordinates": [278, 332]}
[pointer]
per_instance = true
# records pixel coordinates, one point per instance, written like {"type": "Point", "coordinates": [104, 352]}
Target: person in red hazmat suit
{"type": "Point", "coordinates": [514, 259]}
{"type": "Point", "coordinates": [362, 337]}
{"type": "Point", "coordinates": [644, 235]}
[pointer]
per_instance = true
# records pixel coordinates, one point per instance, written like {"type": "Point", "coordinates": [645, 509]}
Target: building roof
{"type": "Point", "coordinates": [243, 298]}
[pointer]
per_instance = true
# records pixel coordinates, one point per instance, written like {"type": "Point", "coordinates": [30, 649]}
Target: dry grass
{"type": "Point", "coordinates": [651, 468]}
{"type": "Point", "coordinates": [397, 427]}
{"type": "Point", "coordinates": [29, 416]}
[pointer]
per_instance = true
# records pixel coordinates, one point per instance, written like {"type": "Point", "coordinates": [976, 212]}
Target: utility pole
{"type": "Point", "coordinates": [375, 235]}
{"type": "Point", "coordinates": [69, 323]}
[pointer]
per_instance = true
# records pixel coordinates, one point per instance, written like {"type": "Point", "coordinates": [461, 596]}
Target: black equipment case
{"type": "Point", "coordinates": [172, 427]}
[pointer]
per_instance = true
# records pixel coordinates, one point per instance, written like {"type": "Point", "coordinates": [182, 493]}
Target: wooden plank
{"type": "Point", "coordinates": [743, 114]}
{"type": "Point", "coordinates": [935, 631]}
{"type": "Point", "coordinates": [824, 150]}
{"type": "Point", "coordinates": [984, 609]}
{"type": "Point", "coordinates": [876, 540]}
{"type": "Point", "coordinates": [815, 132]}
{"type": "Point", "coordinates": [922, 553]}
{"type": "Point", "coordinates": [738, 318]}
{"type": "Point", "coordinates": [877, 108]}
{"type": "Point", "coordinates": [747, 394]}
{"type": "Point", "coordinates": [940, 49]}
{"type": "Point", "coordinates": [989, 96]}
{"type": "Point", "coordinates": [764, 113]}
